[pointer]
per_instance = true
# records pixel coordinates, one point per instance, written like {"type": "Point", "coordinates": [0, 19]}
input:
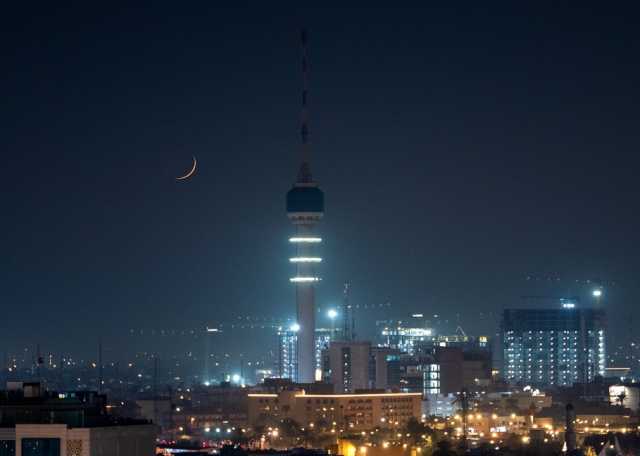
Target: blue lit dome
{"type": "Point", "coordinates": [305, 198]}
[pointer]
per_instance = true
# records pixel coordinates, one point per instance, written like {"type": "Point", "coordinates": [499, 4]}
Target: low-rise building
{"type": "Point", "coordinates": [626, 396]}
{"type": "Point", "coordinates": [359, 411]}
{"type": "Point", "coordinates": [590, 418]}
{"type": "Point", "coordinates": [34, 422]}
{"type": "Point", "coordinates": [62, 440]}
{"type": "Point", "coordinates": [442, 405]}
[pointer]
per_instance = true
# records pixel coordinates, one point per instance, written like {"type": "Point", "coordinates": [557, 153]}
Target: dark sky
{"type": "Point", "coordinates": [460, 149]}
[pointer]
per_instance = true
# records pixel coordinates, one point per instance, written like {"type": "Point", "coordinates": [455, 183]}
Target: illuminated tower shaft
{"type": "Point", "coordinates": [306, 258]}
{"type": "Point", "coordinates": [305, 207]}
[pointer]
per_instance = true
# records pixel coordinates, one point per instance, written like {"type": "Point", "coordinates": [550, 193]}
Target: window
{"type": "Point", "coordinates": [7, 447]}
{"type": "Point", "coordinates": [40, 447]}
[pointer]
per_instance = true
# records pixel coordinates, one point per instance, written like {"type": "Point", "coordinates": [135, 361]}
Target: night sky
{"type": "Point", "coordinates": [460, 151]}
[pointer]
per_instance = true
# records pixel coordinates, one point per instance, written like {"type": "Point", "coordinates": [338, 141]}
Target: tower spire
{"type": "Point", "coordinates": [304, 174]}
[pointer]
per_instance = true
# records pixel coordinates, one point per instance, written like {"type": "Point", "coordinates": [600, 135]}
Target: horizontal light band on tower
{"type": "Point", "coordinates": [305, 239]}
{"type": "Point", "coordinates": [305, 260]}
{"type": "Point", "coordinates": [304, 279]}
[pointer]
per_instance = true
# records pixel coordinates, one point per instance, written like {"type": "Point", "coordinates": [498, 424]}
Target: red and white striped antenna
{"type": "Point", "coordinates": [304, 174]}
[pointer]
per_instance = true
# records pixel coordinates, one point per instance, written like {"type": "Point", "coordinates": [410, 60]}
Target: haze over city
{"type": "Point", "coordinates": [455, 145]}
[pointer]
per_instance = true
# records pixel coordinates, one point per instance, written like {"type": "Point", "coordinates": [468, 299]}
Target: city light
{"type": "Point", "coordinates": [311, 240]}
{"type": "Point", "coordinates": [294, 327]}
{"type": "Point", "coordinates": [350, 361]}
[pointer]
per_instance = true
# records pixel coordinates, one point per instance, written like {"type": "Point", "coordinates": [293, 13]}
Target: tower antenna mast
{"type": "Point", "coordinates": [304, 175]}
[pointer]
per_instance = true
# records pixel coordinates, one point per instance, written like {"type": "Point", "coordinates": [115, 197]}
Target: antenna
{"type": "Point", "coordinates": [304, 174]}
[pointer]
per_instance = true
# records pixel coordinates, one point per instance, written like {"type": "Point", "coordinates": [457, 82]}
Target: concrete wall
{"type": "Point", "coordinates": [358, 365]}
{"type": "Point", "coordinates": [123, 441]}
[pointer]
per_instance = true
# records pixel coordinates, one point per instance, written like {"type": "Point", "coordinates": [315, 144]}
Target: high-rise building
{"type": "Point", "coordinates": [416, 336]}
{"type": "Point", "coordinates": [305, 207]}
{"type": "Point", "coordinates": [287, 365]}
{"type": "Point", "coordinates": [287, 362]}
{"type": "Point", "coordinates": [347, 365]}
{"type": "Point", "coordinates": [324, 337]}
{"type": "Point", "coordinates": [558, 346]}
{"type": "Point", "coordinates": [405, 339]}
{"type": "Point", "coordinates": [405, 334]}
{"type": "Point", "coordinates": [383, 373]}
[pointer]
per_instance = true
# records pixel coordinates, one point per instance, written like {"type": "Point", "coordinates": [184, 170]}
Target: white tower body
{"type": "Point", "coordinates": [304, 207]}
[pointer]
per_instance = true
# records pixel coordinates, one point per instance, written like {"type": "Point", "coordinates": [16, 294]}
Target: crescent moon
{"type": "Point", "coordinates": [191, 171]}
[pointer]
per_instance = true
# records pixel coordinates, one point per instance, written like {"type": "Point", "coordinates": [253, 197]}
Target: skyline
{"type": "Point", "coordinates": [448, 185]}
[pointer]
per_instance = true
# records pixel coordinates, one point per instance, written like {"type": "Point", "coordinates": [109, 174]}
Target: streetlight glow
{"type": "Point", "coordinates": [597, 293]}
{"type": "Point", "coordinates": [332, 313]}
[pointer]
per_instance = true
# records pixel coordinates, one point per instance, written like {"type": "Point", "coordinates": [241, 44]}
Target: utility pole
{"type": "Point", "coordinates": [100, 379]}
{"type": "Point", "coordinates": [155, 389]}
{"type": "Point", "coordinates": [348, 322]}
{"type": "Point", "coordinates": [38, 364]}
{"type": "Point", "coordinates": [463, 399]}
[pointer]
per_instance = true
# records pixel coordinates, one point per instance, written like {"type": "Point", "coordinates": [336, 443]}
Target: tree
{"type": "Point", "coordinates": [444, 448]}
{"type": "Point", "coordinates": [290, 429]}
{"type": "Point", "coordinates": [416, 429]}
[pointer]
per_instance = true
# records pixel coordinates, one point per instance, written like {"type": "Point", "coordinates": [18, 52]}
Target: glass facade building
{"type": "Point", "coordinates": [553, 347]}
{"type": "Point", "coordinates": [287, 364]}
{"type": "Point", "coordinates": [288, 353]}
